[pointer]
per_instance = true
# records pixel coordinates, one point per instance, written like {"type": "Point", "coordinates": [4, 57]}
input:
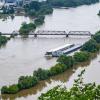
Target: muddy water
{"type": "Point", "coordinates": [23, 56]}
{"type": "Point", "coordinates": [91, 75]}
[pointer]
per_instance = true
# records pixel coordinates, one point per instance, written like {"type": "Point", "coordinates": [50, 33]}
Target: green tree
{"type": "Point", "coordinates": [35, 5]}
{"type": "Point", "coordinates": [81, 56]}
{"type": "Point", "coordinates": [12, 89]}
{"type": "Point", "coordinates": [41, 74]}
{"type": "Point", "coordinates": [26, 82]}
{"type": "Point", "coordinates": [90, 46]}
{"type": "Point", "coordinates": [4, 89]}
{"type": "Point", "coordinates": [39, 20]}
{"type": "Point", "coordinates": [26, 28]}
{"type": "Point", "coordinates": [57, 69]}
{"type": "Point", "coordinates": [66, 60]}
{"type": "Point", "coordinates": [70, 3]}
{"type": "Point", "coordinates": [3, 40]}
{"type": "Point", "coordinates": [97, 37]}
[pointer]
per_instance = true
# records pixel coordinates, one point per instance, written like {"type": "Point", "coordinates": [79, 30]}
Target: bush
{"type": "Point", "coordinates": [10, 90]}
{"type": "Point", "coordinates": [57, 69]}
{"type": "Point", "coordinates": [4, 89]}
{"type": "Point", "coordinates": [26, 28]}
{"type": "Point", "coordinates": [39, 20]}
{"type": "Point", "coordinates": [97, 37]}
{"type": "Point", "coordinates": [68, 61]}
{"type": "Point", "coordinates": [3, 40]}
{"type": "Point", "coordinates": [81, 56]}
{"type": "Point", "coordinates": [26, 82]}
{"type": "Point", "coordinates": [90, 46]}
{"type": "Point", "coordinates": [45, 9]}
{"type": "Point", "coordinates": [41, 74]}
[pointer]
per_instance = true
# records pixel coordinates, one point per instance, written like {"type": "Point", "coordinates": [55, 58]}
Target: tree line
{"type": "Point", "coordinates": [70, 3]}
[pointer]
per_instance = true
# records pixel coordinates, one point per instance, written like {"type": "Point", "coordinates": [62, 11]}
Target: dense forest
{"type": "Point", "coordinates": [70, 3]}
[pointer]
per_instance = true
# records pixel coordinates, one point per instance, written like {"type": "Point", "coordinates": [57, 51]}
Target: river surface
{"type": "Point", "coordinates": [23, 56]}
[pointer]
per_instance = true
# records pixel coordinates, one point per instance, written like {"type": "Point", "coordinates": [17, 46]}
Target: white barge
{"type": "Point", "coordinates": [66, 49]}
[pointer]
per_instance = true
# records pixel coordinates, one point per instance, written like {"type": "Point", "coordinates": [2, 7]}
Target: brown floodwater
{"type": "Point", "coordinates": [22, 56]}
{"type": "Point", "coordinates": [65, 79]}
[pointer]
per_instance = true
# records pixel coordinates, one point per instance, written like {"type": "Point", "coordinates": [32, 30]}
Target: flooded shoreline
{"type": "Point", "coordinates": [65, 79]}
{"type": "Point", "coordinates": [23, 56]}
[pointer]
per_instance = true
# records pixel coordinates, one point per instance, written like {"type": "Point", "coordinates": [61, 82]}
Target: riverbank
{"type": "Point", "coordinates": [23, 55]}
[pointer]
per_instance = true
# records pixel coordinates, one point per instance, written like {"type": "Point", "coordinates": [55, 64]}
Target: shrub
{"type": "Point", "coordinates": [57, 69]}
{"type": "Point", "coordinates": [81, 56]}
{"type": "Point", "coordinates": [12, 89]}
{"type": "Point", "coordinates": [26, 28]}
{"type": "Point", "coordinates": [39, 20]}
{"type": "Point", "coordinates": [90, 46]}
{"type": "Point", "coordinates": [4, 89]}
{"type": "Point", "coordinates": [66, 60]}
{"type": "Point", "coordinates": [41, 74]}
{"type": "Point", "coordinates": [26, 82]}
{"type": "Point", "coordinates": [97, 37]}
{"type": "Point", "coordinates": [45, 9]}
{"type": "Point", "coordinates": [3, 40]}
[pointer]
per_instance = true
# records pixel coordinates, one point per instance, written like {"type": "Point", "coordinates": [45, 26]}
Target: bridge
{"type": "Point", "coordinates": [43, 32]}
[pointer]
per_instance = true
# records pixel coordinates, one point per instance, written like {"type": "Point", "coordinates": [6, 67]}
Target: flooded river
{"type": "Point", "coordinates": [23, 56]}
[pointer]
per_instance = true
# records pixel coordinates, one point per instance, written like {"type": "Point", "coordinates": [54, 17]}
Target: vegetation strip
{"type": "Point", "coordinates": [70, 3]}
{"type": "Point", "coordinates": [64, 63]}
